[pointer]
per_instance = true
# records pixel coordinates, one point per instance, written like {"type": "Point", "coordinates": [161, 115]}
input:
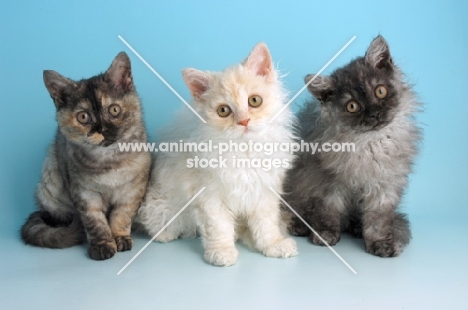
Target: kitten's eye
{"type": "Point", "coordinates": [381, 91]}
{"type": "Point", "coordinates": [114, 110]}
{"type": "Point", "coordinates": [224, 110]}
{"type": "Point", "coordinates": [83, 117]}
{"type": "Point", "coordinates": [353, 107]}
{"type": "Point", "coordinates": [255, 101]}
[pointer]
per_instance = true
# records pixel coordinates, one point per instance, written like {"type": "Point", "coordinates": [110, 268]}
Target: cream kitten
{"type": "Point", "coordinates": [237, 104]}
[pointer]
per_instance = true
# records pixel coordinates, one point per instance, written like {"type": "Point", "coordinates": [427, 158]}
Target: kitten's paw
{"type": "Point", "coordinates": [297, 228]}
{"type": "Point", "coordinates": [330, 237]}
{"type": "Point", "coordinates": [222, 257]}
{"type": "Point", "coordinates": [283, 248]}
{"type": "Point", "coordinates": [166, 236]}
{"type": "Point", "coordinates": [384, 248]}
{"type": "Point", "coordinates": [124, 243]}
{"type": "Point", "coordinates": [102, 249]}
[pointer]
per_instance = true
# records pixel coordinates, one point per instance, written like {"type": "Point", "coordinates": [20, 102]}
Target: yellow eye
{"type": "Point", "coordinates": [255, 101]}
{"type": "Point", "coordinates": [83, 117]}
{"type": "Point", "coordinates": [114, 110]}
{"type": "Point", "coordinates": [353, 107]}
{"type": "Point", "coordinates": [381, 91]}
{"type": "Point", "coordinates": [224, 110]}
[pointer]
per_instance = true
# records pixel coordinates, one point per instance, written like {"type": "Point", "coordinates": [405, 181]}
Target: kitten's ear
{"type": "Point", "coordinates": [259, 60]}
{"type": "Point", "coordinates": [56, 85]}
{"type": "Point", "coordinates": [196, 80]}
{"type": "Point", "coordinates": [120, 73]}
{"type": "Point", "coordinates": [320, 87]}
{"type": "Point", "coordinates": [378, 54]}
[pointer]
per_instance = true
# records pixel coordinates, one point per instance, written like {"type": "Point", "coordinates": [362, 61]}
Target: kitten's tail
{"type": "Point", "coordinates": [44, 230]}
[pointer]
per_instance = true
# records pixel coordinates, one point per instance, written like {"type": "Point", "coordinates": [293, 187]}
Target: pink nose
{"type": "Point", "coordinates": [244, 122]}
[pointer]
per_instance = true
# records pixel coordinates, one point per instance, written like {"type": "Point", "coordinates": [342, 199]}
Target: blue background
{"type": "Point", "coordinates": [428, 40]}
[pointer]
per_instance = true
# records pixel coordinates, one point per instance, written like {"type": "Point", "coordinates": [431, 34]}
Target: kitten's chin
{"type": "Point", "coordinates": [381, 124]}
{"type": "Point", "coordinates": [372, 125]}
{"type": "Point", "coordinates": [238, 132]}
{"type": "Point", "coordinates": [242, 132]}
{"type": "Point", "coordinates": [106, 143]}
{"type": "Point", "coordinates": [369, 128]}
{"type": "Point", "coordinates": [247, 131]}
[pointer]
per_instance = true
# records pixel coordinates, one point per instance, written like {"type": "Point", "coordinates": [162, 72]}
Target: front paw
{"type": "Point", "coordinates": [102, 249]}
{"type": "Point", "coordinates": [124, 243]}
{"type": "Point", "coordinates": [330, 237]}
{"type": "Point", "coordinates": [283, 248]}
{"type": "Point", "coordinates": [222, 257]}
{"type": "Point", "coordinates": [383, 248]}
{"type": "Point", "coordinates": [166, 236]}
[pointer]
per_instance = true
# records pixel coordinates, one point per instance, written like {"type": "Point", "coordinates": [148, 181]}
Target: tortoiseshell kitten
{"type": "Point", "coordinates": [368, 103]}
{"type": "Point", "coordinates": [89, 189]}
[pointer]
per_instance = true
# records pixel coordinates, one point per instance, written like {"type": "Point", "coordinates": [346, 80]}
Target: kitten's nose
{"type": "Point", "coordinates": [244, 122]}
{"type": "Point", "coordinates": [375, 115]}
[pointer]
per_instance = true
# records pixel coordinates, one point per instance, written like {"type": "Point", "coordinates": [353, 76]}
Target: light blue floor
{"type": "Point", "coordinates": [430, 274]}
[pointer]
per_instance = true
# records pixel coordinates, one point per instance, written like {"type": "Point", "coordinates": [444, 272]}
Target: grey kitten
{"type": "Point", "coordinates": [366, 103]}
{"type": "Point", "coordinates": [88, 187]}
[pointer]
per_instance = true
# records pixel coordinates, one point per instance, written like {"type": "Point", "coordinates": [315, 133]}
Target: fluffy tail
{"type": "Point", "coordinates": [42, 229]}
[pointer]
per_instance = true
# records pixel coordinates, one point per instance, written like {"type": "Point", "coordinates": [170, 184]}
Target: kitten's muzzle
{"type": "Point", "coordinates": [375, 115]}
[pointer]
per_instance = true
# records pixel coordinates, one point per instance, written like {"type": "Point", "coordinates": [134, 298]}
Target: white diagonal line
{"type": "Point", "coordinates": [162, 229]}
{"type": "Point", "coordinates": [310, 227]}
{"type": "Point", "coordinates": [318, 73]}
{"type": "Point", "coordinates": [161, 78]}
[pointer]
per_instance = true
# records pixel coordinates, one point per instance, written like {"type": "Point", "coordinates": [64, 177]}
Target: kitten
{"type": "Point", "coordinates": [366, 103]}
{"type": "Point", "coordinates": [88, 187]}
{"type": "Point", "coordinates": [237, 105]}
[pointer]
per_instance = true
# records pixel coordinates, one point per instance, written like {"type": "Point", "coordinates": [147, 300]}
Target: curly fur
{"type": "Point", "coordinates": [237, 203]}
{"type": "Point", "coordinates": [357, 191]}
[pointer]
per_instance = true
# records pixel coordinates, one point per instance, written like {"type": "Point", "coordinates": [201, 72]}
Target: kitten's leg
{"type": "Point", "coordinates": [125, 201]}
{"type": "Point", "coordinates": [324, 216]}
{"type": "Point", "coordinates": [294, 224]}
{"type": "Point", "coordinates": [297, 228]}
{"type": "Point", "coordinates": [120, 221]}
{"type": "Point", "coordinates": [264, 222]}
{"type": "Point", "coordinates": [93, 215]}
{"type": "Point", "coordinates": [378, 233]}
{"type": "Point", "coordinates": [155, 213]}
{"type": "Point", "coordinates": [216, 225]}
{"type": "Point", "coordinates": [378, 227]}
